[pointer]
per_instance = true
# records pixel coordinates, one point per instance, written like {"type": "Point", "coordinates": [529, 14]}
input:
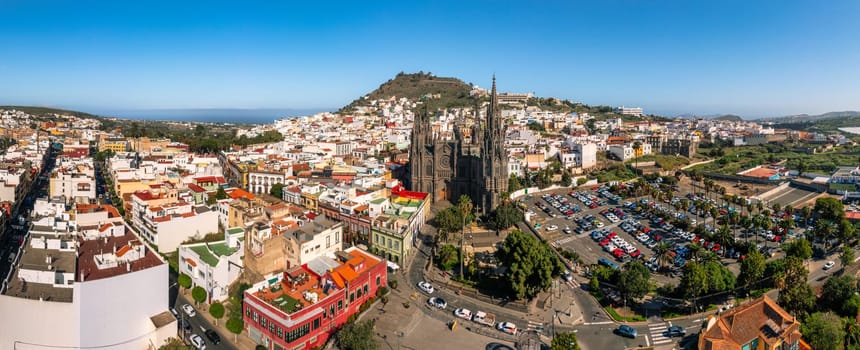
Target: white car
{"type": "Point", "coordinates": [189, 310]}
{"type": "Point", "coordinates": [829, 265]}
{"type": "Point", "coordinates": [437, 303]}
{"type": "Point", "coordinates": [463, 313]}
{"type": "Point", "coordinates": [426, 287]}
{"type": "Point", "coordinates": [197, 341]}
{"type": "Point", "coordinates": [507, 327]}
{"type": "Point", "coordinates": [552, 228]}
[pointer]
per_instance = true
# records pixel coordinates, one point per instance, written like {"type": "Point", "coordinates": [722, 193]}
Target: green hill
{"type": "Point", "coordinates": [47, 112]}
{"type": "Point", "coordinates": [437, 92]}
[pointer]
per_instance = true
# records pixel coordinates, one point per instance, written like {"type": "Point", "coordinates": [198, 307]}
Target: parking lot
{"type": "Point", "coordinates": [605, 229]}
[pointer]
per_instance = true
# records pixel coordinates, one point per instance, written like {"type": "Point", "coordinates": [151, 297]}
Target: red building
{"type": "Point", "coordinates": [302, 307]}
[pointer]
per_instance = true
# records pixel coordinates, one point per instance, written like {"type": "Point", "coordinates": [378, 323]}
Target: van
{"type": "Point", "coordinates": [12, 256]}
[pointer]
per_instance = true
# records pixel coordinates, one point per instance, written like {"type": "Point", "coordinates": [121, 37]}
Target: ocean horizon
{"type": "Point", "coordinates": [215, 115]}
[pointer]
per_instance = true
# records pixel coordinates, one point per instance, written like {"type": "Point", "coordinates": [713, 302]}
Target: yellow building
{"type": "Point", "coordinates": [113, 144]}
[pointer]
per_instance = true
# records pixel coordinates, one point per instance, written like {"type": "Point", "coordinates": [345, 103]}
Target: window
{"type": "Point", "coordinates": [331, 310]}
{"type": "Point", "coordinates": [337, 237]}
{"type": "Point", "coordinates": [327, 241]}
{"type": "Point", "coordinates": [263, 322]}
{"type": "Point", "coordinates": [378, 280]}
{"type": "Point", "coordinates": [255, 316]}
{"type": "Point", "coordinates": [316, 323]}
{"type": "Point", "coordinates": [396, 245]}
{"type": "Point", "coordinates": [271, 327]}
{"type": "Point", "coordinates": [389, 243]}
{"type": "Point", "coordinates": [358, 293]}
{"type": "Point", "coordinates": [340, 304]}
{"type": "Point", "coordinates": [365, 289]}
{"type": "Point", "coordinates": [351, 297]}
{"type": "Point", "coordinates": [248, 312]}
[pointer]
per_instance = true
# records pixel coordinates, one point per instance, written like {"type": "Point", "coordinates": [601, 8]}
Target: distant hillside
{"type": "Point", "coordinates": [812, 118]}
{"type": "Point", "coordinates": [45, 112]}
{"type": "Point", "coordinates": [440, 92]}
{"type": "Point", "coordinates": [729, 117]}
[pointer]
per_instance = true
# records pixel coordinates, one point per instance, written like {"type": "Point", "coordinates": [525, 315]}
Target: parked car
{"type": "Point", "coordinates": [626, 331]}
{"type": "Point", "coordinates": [213, 336]}
{"type": "Point", "coordinates": [437, 303]}
{"type": "Point", "coordinates": [507, 327]}
{"type": "Point", "coordinates": [197, 342]}
{"type": "Point", "coordinates": [829, 265]}
{"type": "Point", "coordinates": [426, 287]}
{"type": "Point", "coordinates": [463, 313]}
{"type": "Point", "coordinates": [189, 310]}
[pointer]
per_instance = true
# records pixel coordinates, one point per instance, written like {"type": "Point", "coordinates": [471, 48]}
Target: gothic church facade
{"type": "Point", "coordinates": [472, 163]}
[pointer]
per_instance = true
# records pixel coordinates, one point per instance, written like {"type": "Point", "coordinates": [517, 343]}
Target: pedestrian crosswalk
{"type": "Point", "coordinates": [656, 332]}
{"type": "Point", "coordinates": [538, 326]}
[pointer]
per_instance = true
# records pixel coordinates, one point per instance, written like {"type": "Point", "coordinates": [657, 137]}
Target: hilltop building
{"type": "Point", "coordinates": [476, 166]}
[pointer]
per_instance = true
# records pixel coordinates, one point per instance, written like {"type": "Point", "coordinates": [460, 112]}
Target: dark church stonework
{"type": "Point", "coordinates": [447, 169]}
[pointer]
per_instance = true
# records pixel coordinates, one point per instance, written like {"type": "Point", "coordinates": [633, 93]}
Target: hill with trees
{"type": "Point", "coordinates": [437, 92]}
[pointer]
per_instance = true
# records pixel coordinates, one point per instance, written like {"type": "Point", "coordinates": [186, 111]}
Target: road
{"type": "Point", "coordinates": [198, 323]}
{"type": "Point", "coordinates": [10, 237]}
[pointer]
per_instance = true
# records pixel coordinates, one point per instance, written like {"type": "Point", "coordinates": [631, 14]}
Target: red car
{"type": "Point", "coordinates": [618, 253]}
{"type": "Point", "coordinates": [593, 205]}
{"type": "Point", "coordinates": [635, 254]}
{"type": "Point", "coordinates": [716, 247]}
{"type": "Point", "coordinates": [611, 235]}
{"type": "Point", "coordinates": [604, 242]}
{"type": "Point", "coordinates": [646, 230]}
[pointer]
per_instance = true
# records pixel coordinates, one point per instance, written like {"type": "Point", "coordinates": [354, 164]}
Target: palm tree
{"type": "Point", "coordinates": [696, 251]}
{"type": "Point", "coordinates": [724, 235]}
{"type": "Point", "coordinates": [663, 252]}
{"type": "Point", "coordinates": [465, 206]}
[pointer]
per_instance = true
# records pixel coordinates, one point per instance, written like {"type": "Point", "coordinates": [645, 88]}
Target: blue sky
{"type": "Point", "coordinates": [753, 58]}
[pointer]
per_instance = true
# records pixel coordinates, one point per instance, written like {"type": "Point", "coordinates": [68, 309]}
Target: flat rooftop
{"type": "Point", "coordinates": [90, 248]}
{"type": "Point", "coordinates": [19, 288]}
{"type": "Point", "coordinates": [211, 254]}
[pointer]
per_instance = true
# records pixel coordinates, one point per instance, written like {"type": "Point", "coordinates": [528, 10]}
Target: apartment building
{"type": "Point", "coordinates": [72, 282]}
{"type": "Point", "coordinates": [166, 226]}
{"type": "Point", "coordinates": [214, 265]}
{"type": "Point", "coordinates": [302, 307]}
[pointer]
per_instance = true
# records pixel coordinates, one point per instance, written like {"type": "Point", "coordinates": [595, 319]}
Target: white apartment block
{"type": "Point", "coordinates": [262, 182]}
{"type": "Point", "coordinates": [168, 225]}
{"type": "Point", "coordinates": [321, 237]}
{"type": "Point", "coordinates": [73, 180]}
{"type": "Point", "coordinates": [587, 153]}
{"type": "Point", "coordinates": [214, 265]}
{"type": "Point", "coordinates": [634, 111]}
{"type": "Point", "coordinates": [105, 289]}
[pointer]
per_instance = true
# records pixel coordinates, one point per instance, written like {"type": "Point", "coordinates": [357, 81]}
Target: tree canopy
{"type": "Point", "coordinates": [795, 295]}
{"type": "Point", "coordinates": [752, 269]}
{"type": "Point", "coordinates": [836, 293]}
{"type": "Point", "coordinates": [823, 331]}
{"type": "Point", "coordinates": [564, 341]}
{"type": "Point", "coordinates": [217, 311]}
{"type": "Point", "coordinates": [634, 281]}
{"type": "Point", "coordinates": [531, 264]}
{"type": "Point", "coordinates": [199, 294]}
{"type": "Point", "coordinates": [357, 336]}
{"type": "Point", "coordinates": [277, 191]}
{"type": "Point", "coordinates": [505, 216]}
{"type": "Point", "coordinates": [800, 248]}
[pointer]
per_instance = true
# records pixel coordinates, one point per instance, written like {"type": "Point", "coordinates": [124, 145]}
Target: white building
{"type": "Point", "coordinates": [587, 154]}
{"type": "Point", "coordinates": [168, 225]}
{"type": "Point", "coordinates": [107, 291]}
{"type": "Point", "coordinates": [634, 111]}
{"type": "Point", "coordinates": [74, 180]}
{"type": "Point", "coordinates": [321, 237]}
{"type": "Point", "coordinates": [214, 265]}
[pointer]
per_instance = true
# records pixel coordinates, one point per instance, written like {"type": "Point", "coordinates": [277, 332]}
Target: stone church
{"type": "Point", "coordinates": [473, 162]}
